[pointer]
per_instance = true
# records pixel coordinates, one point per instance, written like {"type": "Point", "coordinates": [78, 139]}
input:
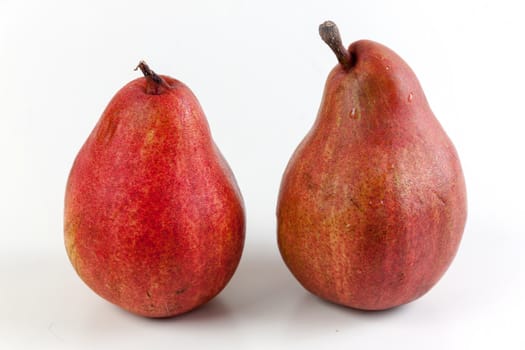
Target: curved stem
{"type": "Point", "coordinates": [155, 84]}
{"type": "Point", "coordinates": [330, 35]}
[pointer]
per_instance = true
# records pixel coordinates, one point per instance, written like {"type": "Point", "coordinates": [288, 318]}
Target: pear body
{"type": "Point", "coordinates": [372, 204]}
{"type": "Point", "coordinates": [154, 221]}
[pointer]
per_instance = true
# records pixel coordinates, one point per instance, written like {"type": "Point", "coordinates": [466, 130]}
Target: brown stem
{"type": "Point", "coordinates": [156, 85]}
{"type": "Point", "coordinates": [330, 35]}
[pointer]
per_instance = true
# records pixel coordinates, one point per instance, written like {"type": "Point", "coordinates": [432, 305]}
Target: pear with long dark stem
{"type": "Point", "coordinates": [372, 204]}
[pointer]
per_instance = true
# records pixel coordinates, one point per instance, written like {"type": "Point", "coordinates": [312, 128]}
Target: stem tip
{"type": "Point", "coordinates": [155, 84]}
{"type": "Point", "coordinates": [330, 34]}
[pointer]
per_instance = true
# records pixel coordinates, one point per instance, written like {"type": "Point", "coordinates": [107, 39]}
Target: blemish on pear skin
{"type": "Point", "coordinates": [440, 197]}
{"type": "Point", "coordinates": [150, 136]}
{"type": "Point", "coordinates": [354, 202]}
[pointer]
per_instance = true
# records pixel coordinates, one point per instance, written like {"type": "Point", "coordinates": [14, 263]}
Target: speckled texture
{"type": "Point", "coordinates": [154, 220]}
{"type": "Point", "coordinates": [372, 205]}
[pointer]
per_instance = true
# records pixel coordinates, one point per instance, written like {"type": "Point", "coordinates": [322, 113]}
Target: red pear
{"type": "Point", "coordinates": [154, 220]}
{"type": "Point", "coordinates": [372, 204]}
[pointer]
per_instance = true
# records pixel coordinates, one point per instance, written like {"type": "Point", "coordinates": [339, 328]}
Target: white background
{"type": "Point", "coordinates": [258, 69]}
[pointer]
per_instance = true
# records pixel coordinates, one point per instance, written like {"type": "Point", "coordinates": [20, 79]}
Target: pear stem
{"type": "Point", "coordinates": [330, 35]}
{"type": "Point", "coordinates": [156, 85]}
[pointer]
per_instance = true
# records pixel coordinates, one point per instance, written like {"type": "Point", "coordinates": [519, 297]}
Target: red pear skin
{"type": "Point", "coordinates": [372, 204]}
{"type": "Point", "coordinates": [154, 221]}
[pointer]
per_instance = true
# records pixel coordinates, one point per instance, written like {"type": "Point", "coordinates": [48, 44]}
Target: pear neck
{"type": "Point", "coordinates": [155, 84]}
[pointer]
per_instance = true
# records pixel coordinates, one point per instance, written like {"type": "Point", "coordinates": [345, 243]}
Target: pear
{"type": "Point", "coordinates": [154, 220]}
{"type": "Point", "coordinates": [372, 205]}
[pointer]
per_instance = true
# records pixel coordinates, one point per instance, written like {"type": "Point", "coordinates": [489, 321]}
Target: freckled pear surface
{"type": "Point", "coordinates": [154, 220]}
{"type": "Point", "coordinates": [372, 204]}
